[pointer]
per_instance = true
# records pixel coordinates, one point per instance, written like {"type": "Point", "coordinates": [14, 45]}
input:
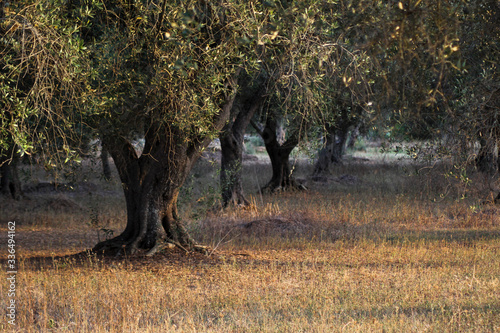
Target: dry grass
{"type": "Point", "coordinates": [380, 251]}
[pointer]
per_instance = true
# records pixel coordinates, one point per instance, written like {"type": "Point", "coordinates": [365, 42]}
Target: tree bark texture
{"type": "Point", "coordinates": [151, 184]}
{"type": "Point", "coordinates": [230, 173]}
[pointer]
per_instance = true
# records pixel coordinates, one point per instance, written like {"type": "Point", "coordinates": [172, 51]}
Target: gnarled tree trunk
{"type": "Point", "coordinates": [279, 154]}
{"type": "Point", "coordinates": [151, 183]}
{"type": "Point", "coordinates": [232, 142]}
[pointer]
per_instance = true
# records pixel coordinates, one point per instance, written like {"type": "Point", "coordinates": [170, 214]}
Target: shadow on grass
{"type": "Point", "coordinates": [92, 260]}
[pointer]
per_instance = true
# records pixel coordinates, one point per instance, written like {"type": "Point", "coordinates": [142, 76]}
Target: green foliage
{"type": "Point", "coordinates": [70, 70]}
{"type": "Point", "coordinates": [170, 65]}
{"type": "Point", "coordinates": [42, 71]}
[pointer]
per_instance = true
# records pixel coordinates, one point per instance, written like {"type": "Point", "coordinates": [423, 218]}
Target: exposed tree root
{"type": "Point", "coordinates": [240, 201]}
{"type": "Point", "coordinates": [274, 188]}
{"type": "Point", "coordinates": [203, 249]}
{"type": "Point", "coordinates": [159, 247]}
{"type": "Point", "coordinates": [112, 247]}
{"type": "Point", "coordinates": [117, 247]}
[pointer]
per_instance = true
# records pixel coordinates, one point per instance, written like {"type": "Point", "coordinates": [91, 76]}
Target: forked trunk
{"type": "Point", "coordinates": [279, 155]}
{"type": "Point", "coordinates": [282, 173]}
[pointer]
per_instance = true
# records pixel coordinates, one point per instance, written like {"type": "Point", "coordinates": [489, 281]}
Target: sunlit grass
{"type": "Point", "coordinates": [389, 250]}
{"type": "Point", "coordinates": [356, 286]}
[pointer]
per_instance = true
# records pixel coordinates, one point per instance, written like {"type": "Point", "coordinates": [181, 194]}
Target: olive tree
{"type": "Point", "coordinates": [347, 99]}
{"type": "Point", "coordinates": [279, 91]}
{"type": "Point", "coordinates": [167, 72]}
{"type": "Point", "coordinates": [162, 71]}
{"type": "Point", "coordinates": [477, 85]}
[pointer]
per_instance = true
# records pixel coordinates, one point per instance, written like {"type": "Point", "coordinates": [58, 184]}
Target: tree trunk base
{"type": "Point", "coordinates": [10, 184]}
{"type": "Point", "coordinates": [117, 247]}
{"type": "Point", "coordinates": [236, 201]}
{"type": "Point", "coordinates": [273, 187]}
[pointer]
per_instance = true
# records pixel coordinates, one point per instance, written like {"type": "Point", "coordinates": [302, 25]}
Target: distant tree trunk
{"type": "Point", "coordinates": [332, 152]}
{"type": "Point", "coordinates": [10, 185]}
{"type": "Point", "coordinates": [326, 155]}
{"type": "Point", "coordinates": [353, 136]}
{"type": "Point", "coordinates": [279, 155]}
{"type": "Point", "coordinates": [232, 143]}
{"type": "Point", "coordinates": [231, 164]}
{"type": "Point", "coordinates": [151, 184]}
{"type": "Point", "coordinates": [106, 168]}
{"type": "Point", "coordinates": [498, 158]}
{"type": "Point", "coordinates": [485, 160]}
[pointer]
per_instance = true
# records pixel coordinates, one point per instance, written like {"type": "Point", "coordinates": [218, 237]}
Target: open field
{"type": "Point", "coordinates": [376, 247]}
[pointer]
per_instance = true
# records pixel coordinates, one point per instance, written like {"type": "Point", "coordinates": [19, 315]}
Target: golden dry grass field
{"type": "Point", "coordinates": [376, 247]}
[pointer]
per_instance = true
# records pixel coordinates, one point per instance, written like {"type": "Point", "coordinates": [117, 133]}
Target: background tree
{"type": "Point", "coordinates": [286, 69]}
{"type": "Point", "coordinates": [249, 99]}
{"type": "Point", "coordinates": [476, 87]}
{"type": "Point", "coordinates": [347, 96]}
{"type": "Point", "coordinates": [414, 48]}
{"type": "Point", "coordinates": [10, 185]}
{"type": "Point", "coordinates": [279, 146]}
{"type": "Point", "coordinates": [294, 71]}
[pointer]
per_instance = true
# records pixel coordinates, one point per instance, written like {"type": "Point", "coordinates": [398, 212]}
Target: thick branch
{"type": "Point", "coordinates": [124, 157]}
{"type": "Point", "coordinates": [244, 118]}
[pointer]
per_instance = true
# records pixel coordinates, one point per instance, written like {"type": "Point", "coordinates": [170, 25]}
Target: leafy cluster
{"type": "Point", "coordinates": [42, 73]}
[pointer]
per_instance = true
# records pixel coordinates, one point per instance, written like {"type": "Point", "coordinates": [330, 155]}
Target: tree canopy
{"type": "Point", "coordinates": [168, 72]}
